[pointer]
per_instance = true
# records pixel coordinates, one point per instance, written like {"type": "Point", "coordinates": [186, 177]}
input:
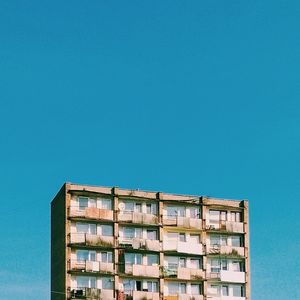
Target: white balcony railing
{"type": "Point", "coordinates": [183, 247]}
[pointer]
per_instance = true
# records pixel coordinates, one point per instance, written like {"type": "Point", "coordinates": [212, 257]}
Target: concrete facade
{"type": "Point", "coordinates": [116, 244]}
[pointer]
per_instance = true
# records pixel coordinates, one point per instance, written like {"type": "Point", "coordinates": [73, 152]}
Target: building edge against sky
{"type": "Point", "coordinates": [112, 243]}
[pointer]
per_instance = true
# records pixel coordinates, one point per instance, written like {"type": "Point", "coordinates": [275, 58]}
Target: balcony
{"type": "Point", "coordinates": [184, 297]}
{"type": "Point", "coordinates": [184, 273]}
{"type": "Point", "coordinates": [214, 297]}
{"type": "Point", "coordinates": [141, 295]}
{"type": "Point", "coordinates": [85, 293]}
{"type": "Point", "coordinates": [139, 244]}
{"type": "Point", "coordinates": [183, 247]}
{"type": "Point", "coordinates": [228, 276]}
{"type": "Point", "coordinates": [137, 218]}
{"type": "Point", "coordinates": [91, 213]}
{"type": "Point", "coordinates": [140, 270]}
{"type": "Point", "coordinates": [86, 239]}
{"type": "Point", "coordinates": [182, 222]}
{"type": "Point", "coordinates": [236, 227]}
{"type": "Point", "coordinates": [226, 251]}
{"type": "Point", "coordinates": [91, 266]}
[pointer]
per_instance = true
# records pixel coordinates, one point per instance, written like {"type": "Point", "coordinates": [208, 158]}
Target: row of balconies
{"type": "Point", "coordinates": [156, 271]}
{"type": "Point", "coordinates": [150, 219]}
{"type": "Point", "coordinates": [97, 294]}
{"type": "Point", "coordinates": [85, 239]}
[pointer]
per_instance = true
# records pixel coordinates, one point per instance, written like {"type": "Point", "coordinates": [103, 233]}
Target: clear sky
{"type": "Point", "coordinates": [198, 97]}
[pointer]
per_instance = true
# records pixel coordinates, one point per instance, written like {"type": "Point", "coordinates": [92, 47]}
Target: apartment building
{"type": "Point", "coordinates": [117, 244]}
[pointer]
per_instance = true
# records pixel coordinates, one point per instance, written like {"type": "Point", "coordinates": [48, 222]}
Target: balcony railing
{"type": "Point", "coordinates": [228, 226]}
{"type": "Point", "coordinates": [183, 222]}
{"type": "Point", "coordinates": [138, 295]}
{"type": "Point", "coordinates": [226, 251]}
{"type": "Point", "coordinates": [91, 240]}
{"type": "Point", "coordinates": [183, 247]}
{"type": "Point", "coordinates": [91, 213]}
{"type": "Point", "coordinates": [85, 293]}
{"type": "Point", "coordinates": [91, 266]}
{"type": "Point", "coordinates": [140, 270]}
{"type": "Point", "coordinates": [139, 244]}
{"type": "Point", "coordinates": [184, 297]}
{"type": "Point", "coordinates": [227, 276]}
{"type": "Point", "coordinates": [137, 218]}
{"type": "Point", "coordinates": [183, 273]}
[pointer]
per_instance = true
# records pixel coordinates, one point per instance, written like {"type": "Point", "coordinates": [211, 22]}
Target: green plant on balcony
{"type": "Point", "coordinates": [104, 243]}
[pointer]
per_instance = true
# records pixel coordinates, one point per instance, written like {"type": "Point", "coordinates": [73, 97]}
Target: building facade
{"type": "Point", "coordinates": [117, 244]}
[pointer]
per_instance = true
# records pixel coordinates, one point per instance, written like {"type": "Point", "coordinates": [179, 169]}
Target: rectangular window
{"type": "Point", "coordinates": [224, 265]}
{"type": "Point", "coordinates": [138, 233]}
{"type": "Point", "coordinates": [195, 289]}
{"type": "Point", "coordinates": [223, 240]}
{"type": "Point", "coordinates": [215, 266]}
{"type": "Point", "coordinates": [83, 202]}
{"type": "Point", "coordinates": [195, 263]}
{"type": "Point", "coordinates": [182, 237]}
{"type": "Point", "coordinates": [152, 259]}
{"type": "Point", "coordinates": [195, 213]}
{"type": "Point", "coordinates": [107, 283]}
{"type": "Point", "coordinates": [106, 257]}
{"type": "Point", "coordinates": [151, 234]}
{"type": "Point", "coordinates": [236, 241]}
{"type": "Point", "coordinates": [195, 238]}
{"type": "Point", "coordinates": [138, 207]}
{"type": "Point", "coordinates": [173, 288]}
{"type": "Point", "coordinates": [138, 285]}
{"type": "Point", "coordinates": [151, 208]}
{"type": "Point", "coordinates": [214, 290]}
{"type": "Point", "coordinates": [152, 286]}
{"type": "Point", "coordinates": [129, 206]}
{"type": "Point", "coordinates": [235, 216]}
{"type": "Point", "coordinates": [86, 228]}
{"type": "Point", "coordinates": [82, 255]}
{"type": "Point", "coordinates": [182, 288]}
{"type": "Point", "coordinates": [225, 290]}
{"type": "Point", "coordinates": [182, 262]}
{"type": "Point", "coordinates": [128, 232]}
{"type": "Point", "coordinates": [172, 235]}
{"type": "Point", "coordinates": [106, 203]}
{"type": "Point", "coordinates": [107, 230]}
{"type": "Point", "coordinates": [86, 281]}
{"type": "Point", "coordinates": [128, 285]}
{"type": "Point", "coordinates": [238, 291]}
{"type": "Point", "coordinates": [214, 240]}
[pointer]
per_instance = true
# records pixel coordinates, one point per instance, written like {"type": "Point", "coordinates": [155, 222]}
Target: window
{"type": "Point", "coordinates": [235, 216]}
{"type": "Point", "coordinates": [152, 259]}
{"type": "Point", "coordinates": [195, 289]}
{"type": "Point", "coordinates": [214, 290]}
{"type": "Point", "coordinates": [175, 211]}
{"type": "Point", "coordinates": [106, 203]}
{"type": "Point", "coordinates": [195, 238]}
{"type": "Point", "coordinates": [182, 262]}
{"type": "Point", "coordinates": [133, 258]}
{"type": "Point", "coordinates": [86, 228]}
{"type": "Point", "coordinates": [106, 257]}
{"type": "Point", "coordinates": [138, 207]}
{"type": "Point", "coordinates": [83, 202]}
{"type": "Point", "coordinates": [237, 266]}
{"type": "Point", "coordinates": [238, 291]}
{"type": "Point", "coordinates": [138, 285]}
{"type": "Point", "coordinates": [236, 241]}
{"type": "Point", "coordinates": [151, 234]}
{"type": "Point", "coordinates": [85, 281]}
{"type": "Point", "coordinates": [225, 290]}
{"type": "Point", "coordinates": [82, 255]}
{"type": "Point", "coordinates": [215, 266]}
{"type": "Point", "coordinates": [182, 288]}
{"type": "Point", "coordinates": [216, 215]}
{"type": "Point", "coordinates": [195, 263]}
{"type": "Point", "coordinates": [223, 240]}
{"type": "Point", "coordinates": [128, 285]}
{"type": "Point", "coordinates": [224, 265]}
{"type": "Point", "coordinates": [172, 235]}
{"type": "Point", "coordinates": [214, 240]}
{"type": "Point", "coordinates": [195, 212]}
{"type": "Point", "coordinates": [107, 230]}
{"type": "Point", "coordinates": [173, 288]}
{"type": "Point", "coordinates": [107, 283]}
{"type": "Point", "coordinates": [182, 237]}
{"type": "Point", "coordinates": [152, 286]}
{"type": "Point", "coordinates": [151, 208]}
{"type": "Point", "coordinates": [129, 206]}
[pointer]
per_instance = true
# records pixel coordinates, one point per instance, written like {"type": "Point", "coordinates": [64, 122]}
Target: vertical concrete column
{"type": "Point", "coordinates": [68, 230]}
{"type": "Point", "coordinates": [247, 247]}
{"type": "Point", "coordinates": [159, 196]}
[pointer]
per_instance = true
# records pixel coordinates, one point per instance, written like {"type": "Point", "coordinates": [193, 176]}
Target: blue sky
{"type": "Point", "coordinates": [198, 97]}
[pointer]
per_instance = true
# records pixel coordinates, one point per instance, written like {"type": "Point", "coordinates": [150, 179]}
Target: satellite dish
{"type": "Point", "coordinates": [121, 206]}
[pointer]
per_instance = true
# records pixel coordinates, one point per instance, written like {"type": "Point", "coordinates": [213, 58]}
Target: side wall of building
{"type": "Point", "coordinates": [58, 246]}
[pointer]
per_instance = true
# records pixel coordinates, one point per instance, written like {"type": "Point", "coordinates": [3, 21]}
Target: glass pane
{"type": "Point", "coordinates": [138, 207]}
{"type": "Point", "coordinates": [92, 202]}
{"type": "Point", "coordinates": [82, 255]}
{"type": "Point", "coordinates": [82, 281]}
{"type": "Point", "coordinates": [129, 206]}
{"type": "Point", "coordinates": [82, 228]}
{"type": "Point", "coordinates": [224, 241]}
{"type": "Point", "coordinates": [93, 282]}
{"type": "Point", "coordinates": [182, 237]}
{"type": "Point", "coordinates": [138, 233]}
{"type": "Point", "coordinates": [182, 288]}
{"type": "Point", "coordinates": [214, 240]}
{"type": "Point", "coordinates": [214, 290]}
{"type": "Point", "coordinates": [154, 287]}
{"type": "Point", "coordinates": [82, 202]}
{"type": "Point", "coordinates": [128, 285]}
{"type": "Point", "coordinates": [107, 283]}
{"type": "Point", "coordinates": [194, 213]}
{"type": "Point", "coordinates": [173, 288]}
{"type": "Point", "coordinates": [236, 241]}
{"type": "Point", "coordinates": [92, 229]}
{"type": "Point", "coordinates": [92, 256]}
{"type": "Point", "coordinates": [195, 263]}
{"type": "Point", "coordinates": [106, 203]}
{"type": "Point", "coordinates": [195, 238]}
{"type": "Point", "coordinates": [107, 230]}
{"type": "Point", "coordinates": [151, 234]}
{"type": "Point", "coordinates": [225, 290]}
{"type": "Point", "coordinates": [237, 291]}
{"type": "Point", "coordinates": [182, 262]}
{"type": "Point", "coordinates": [195, 289]}
{"type": "Point", "coordinates": [138, 258]}
{"type": "Point", "coordinates": [224, 265]}
{"type": "Point", "coordinates": [152, 259]}
{"type": "Point", "coordinates": [128, 232]}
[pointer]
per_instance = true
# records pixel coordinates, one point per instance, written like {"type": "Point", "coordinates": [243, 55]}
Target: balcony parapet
{"type": "Point", "coordinates": [137, 218]}
{"type": "Point", "coordinates": [227, 276]}
{"type": "Point", "coordinates": [184, 297]}
{"type": "Point", "coordinates": [84, 293]}
{"type": "Point", "coordinates": [140, 244]}
{"type": "Point", "coordinates": [225, 226]}
{"type": "Point", "coordinates": [182, 222]}
{"type": "Point", "coordinates": [91, 240]}
{"type": "Point", "coordinates": [91, 266]}
{"type": "Point", "coordinates": [226, 251]}
{"type": "Point", "coordinates": [183, 247]}
{"type": "Point", "coordinates": [91, 213]}
{"type": "Point", "coordinates": [183, 273]}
